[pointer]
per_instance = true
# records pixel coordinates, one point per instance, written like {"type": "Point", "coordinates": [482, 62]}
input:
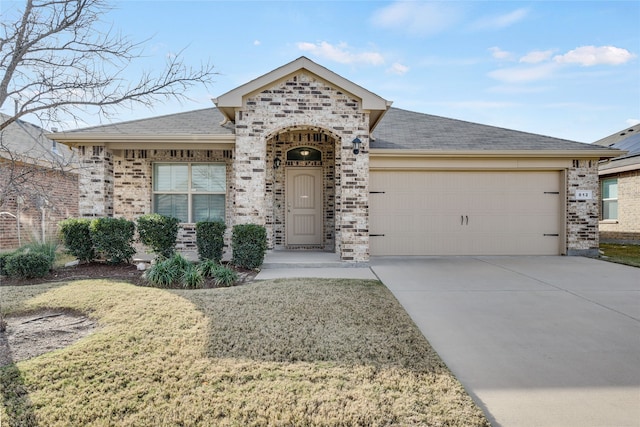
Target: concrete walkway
{"type": "Point", "coordinates": [286, 264]}
{"type": "Point", "coordinates": [537, 341]}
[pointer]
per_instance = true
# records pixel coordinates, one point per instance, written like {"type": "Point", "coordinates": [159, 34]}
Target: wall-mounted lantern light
{"type": "Point", "coordinates": [356, 145]}
{"type": "Point", "coordinates": [276, 162]}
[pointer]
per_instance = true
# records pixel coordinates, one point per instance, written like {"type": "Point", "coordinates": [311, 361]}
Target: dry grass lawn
{"type": "Point", "coordinates": [302, 352]}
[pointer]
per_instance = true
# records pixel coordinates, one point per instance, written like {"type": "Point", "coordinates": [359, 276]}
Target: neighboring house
{"type": "Point", "coordinates": [281, 151]}
{"type": "Point", "coordinates": [38, 185]}
{"type": "Point", "coordinates": [620, 188]}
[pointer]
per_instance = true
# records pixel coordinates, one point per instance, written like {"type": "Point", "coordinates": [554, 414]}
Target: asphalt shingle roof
{"type": "Point", "coordinates": [198, 122]}
{"type": "Point", "coordinates": [402, 129]}
{"type": "Point", "coordinates": [26, 142]}
{"type": "Point", "coordinates": [398, 129]}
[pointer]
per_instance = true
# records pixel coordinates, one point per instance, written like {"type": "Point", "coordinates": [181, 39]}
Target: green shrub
{"type": "Point", "coordinates": [178, 262]}
{"type": "Point", "coordinates": [47, 249]}
{"type": "Point", "coordinates": [159, 232]}
{"type": "Point", "coordinates": [27, 265]}
{"type": "Point", "coordinates": [210, 239]}
{"type": "Point", "coordinates": [192, 277]}
{"type": "Point", "coordinates": [113, 238]}
{"type": "Point", "coordinates": [225, 276]}
{"type": "Point", "coordinates": [3, 262]}
{"type": "Point", "coordinates": [167, 273]}
{"type": "Point", "coordinates": [249, 243]}
{"type": "Point", "coordinates": [161, 274]}
{"type": "Point", "coordinates": [75, 234]}
{"type": "Point", "coordinates": [208, 267]}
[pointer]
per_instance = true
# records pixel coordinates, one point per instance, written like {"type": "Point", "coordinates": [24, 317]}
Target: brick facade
{"type": "Point", "coordinates": [303, 104]}
{"type": "Point", "coordinates": [582, 215]}
{"type": "Point", "coordinates": [296, 109]}
{"type": "Point", "coordinates": [627, 226]}
{"type": "Point", "coordinates": [46, 194]}
{"type": "Point", "coordinates": [128, 179]}
{"type": "Point", "coordinates": [96, 181]}
{"type": "Point", "coordinates": [277, 147]}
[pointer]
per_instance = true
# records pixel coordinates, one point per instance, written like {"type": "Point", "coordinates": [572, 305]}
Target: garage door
{"type": "Point", "coordinates": [465, 213]}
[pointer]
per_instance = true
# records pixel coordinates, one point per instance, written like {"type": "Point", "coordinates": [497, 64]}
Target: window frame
{"type": "Point", "coordinates": [190, 191]}
{"type": "Point", "coordinates": [608, 200]}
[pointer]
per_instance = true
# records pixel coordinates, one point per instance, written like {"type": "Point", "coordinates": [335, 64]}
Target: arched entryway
{"type": "Point", "coordinates": [302, 188]}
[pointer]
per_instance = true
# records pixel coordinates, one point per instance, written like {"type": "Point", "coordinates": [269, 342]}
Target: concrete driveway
{"type": "Point", "coordinates": [537, 341]}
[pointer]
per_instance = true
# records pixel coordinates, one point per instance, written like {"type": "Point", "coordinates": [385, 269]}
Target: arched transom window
{"type": "Point", "coordinates": [304, 154]}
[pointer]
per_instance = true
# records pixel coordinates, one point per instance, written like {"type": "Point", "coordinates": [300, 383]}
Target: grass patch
{"type": "Point", "coordinates": [622, 254]}
{"type": "Point", "coordinates": [288, 352]}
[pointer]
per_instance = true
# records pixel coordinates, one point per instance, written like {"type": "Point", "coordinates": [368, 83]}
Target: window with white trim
{"type": "Point", "coordinates": [191, 192]}
{"type": "Point", "coordinates": [610, 198]}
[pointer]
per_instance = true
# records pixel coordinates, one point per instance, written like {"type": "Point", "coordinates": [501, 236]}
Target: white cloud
{"type": "Point", "coordinates": [501, 21]}
{"type": "Point", "coordinates": [340, 53]}
{"type": "Point", "coordinates": [398, 69]}
{"type": "Point", "coordinates": [632, 122]}
{"type": "Point", "coordinates": [539, 65]}
{"type": "Point", "coordinates": [593, 55]}
{"type": "Point", "coordinates": [524, 74]}
{"type": "Point", "coordinates": [536, 56]}
{"type": "Point", "coordinates": [416, 18]}
{"type": "Point", "coordinates": [257, 42]}
{"type": "Point", "coordinates": [498, 53]}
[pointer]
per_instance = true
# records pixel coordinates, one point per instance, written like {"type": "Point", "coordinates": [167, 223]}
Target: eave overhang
{"type": "Point", "coordinates": [148, 141]}
{"type": "Point", "coordinates": [573, 154]}
{"type": "Point", "coordinates": [231, 101]}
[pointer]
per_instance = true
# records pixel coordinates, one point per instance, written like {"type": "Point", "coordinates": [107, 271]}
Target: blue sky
{"type": "Point", "coordinates": [569, 69]}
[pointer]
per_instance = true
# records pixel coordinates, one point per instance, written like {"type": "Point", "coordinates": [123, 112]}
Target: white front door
{"type": "Point", "coordinates": [304, 206]}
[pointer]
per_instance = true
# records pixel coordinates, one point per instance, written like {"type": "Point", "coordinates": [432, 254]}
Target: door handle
{"type": "Point", "coordinates": [467, 217]}
{"type": "Point", "coordinates": [461, 219]}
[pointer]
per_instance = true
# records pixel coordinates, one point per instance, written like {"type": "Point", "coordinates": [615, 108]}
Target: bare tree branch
{"type": "Point", "coordinates": [57, 62]}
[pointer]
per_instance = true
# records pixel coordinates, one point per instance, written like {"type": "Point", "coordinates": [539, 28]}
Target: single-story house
{"type": "Point", "coordinates": [325, 164]}
{"type": "Point", "coordinates": [38, 185]}
{"type": "Point", "coordinates": [620, 187]}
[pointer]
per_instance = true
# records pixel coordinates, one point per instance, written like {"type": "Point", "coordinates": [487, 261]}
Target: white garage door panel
{"type": "Point", "coordinates": [465, 213]}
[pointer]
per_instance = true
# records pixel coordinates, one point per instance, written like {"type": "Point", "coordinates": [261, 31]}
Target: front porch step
{"type": "Point", "coordinates": [304, 259]}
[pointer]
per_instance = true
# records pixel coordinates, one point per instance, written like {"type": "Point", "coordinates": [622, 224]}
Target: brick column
{"type": "Point", "coordinates": [583, 214]}
{"type": "Point", "coordinates": [249, 179]}
{"type": "Point", "coordinates": [95, 182]}
{"type": "Point", "coordinates": [354, 200]}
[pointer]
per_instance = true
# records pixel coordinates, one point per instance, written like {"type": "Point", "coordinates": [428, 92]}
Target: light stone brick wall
{"type": "Point", "coordinates": [277, 147]}
{"type": "Point", "coordinates": [627, 227]}
{"type": "Point", "coordinates": [120, 184]}
{"type": "Point", "coordinates": [582, 215]}
{"type": "Point", "coordinates": [95, 182]}
{"type": "Point", "coordinates": [133, 183]}
{"type": "Point", "coordinates": [305, 102]}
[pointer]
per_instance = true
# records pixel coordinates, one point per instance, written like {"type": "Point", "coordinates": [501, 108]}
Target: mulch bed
{"type": "Point", "coordinates": [96, 270]}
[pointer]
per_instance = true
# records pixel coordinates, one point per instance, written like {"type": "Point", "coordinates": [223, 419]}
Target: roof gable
{"type": "Point", "coordinates": [228, 102]}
